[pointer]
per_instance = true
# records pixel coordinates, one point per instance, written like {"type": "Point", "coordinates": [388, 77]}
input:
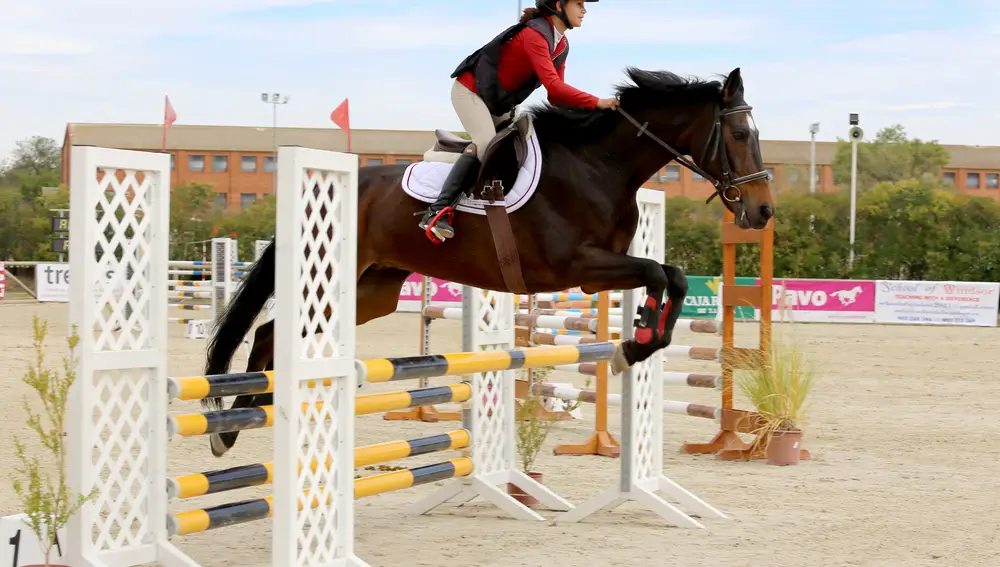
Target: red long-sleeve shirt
{"type": "Point", "coordinates": [528, 52]}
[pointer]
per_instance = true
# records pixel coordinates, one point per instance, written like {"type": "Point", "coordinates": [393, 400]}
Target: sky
{"type": "Point", "coordinates": [930, 65]}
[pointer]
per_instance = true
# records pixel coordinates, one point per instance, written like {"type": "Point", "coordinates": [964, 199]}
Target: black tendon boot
{"type": "Point", "coordinates": [461, 175]}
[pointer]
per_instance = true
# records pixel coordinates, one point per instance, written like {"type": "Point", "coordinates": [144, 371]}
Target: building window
{"type": "Point", "coordinates": [220, 202]}
{"type": "Point", "coordinates": [220, 164]}
{"type": "Point", "coordinates": [948, 178]}
{"type": "Point", "coordinates": [173, 160]}
{"type": "Point", "coordinates": [196, 163]}
{"type": "Point", "coordinates": [671, 173]}
{"type": "Point", "coordinates": [972, 181]}
{"type": "Point", "coordinates": [992, 180]}
{"type": "Point", "coordinates": [373, 161]}
{"type": "Point", "coordinates": [247, 199]}
{"type": "Point", "coordinates": [248, 164]}
{"type": "Point", "coordinates": [793, 175]}
{"type": "Point", "coordinates": [405, 161]}
{"type": "Point", "coordinates": [269, 164]}
{"type": "Point", "coordinates": [695, 176]}
{"type": "Point", "coordinates": [770, 173]}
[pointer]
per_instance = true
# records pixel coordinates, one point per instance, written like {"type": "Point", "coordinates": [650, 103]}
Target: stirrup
{"type": "Point", "coordinates": [431, 226]}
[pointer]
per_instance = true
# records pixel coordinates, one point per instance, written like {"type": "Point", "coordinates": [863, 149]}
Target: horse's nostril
{"type": "Point", "coordinates": [766, 211]}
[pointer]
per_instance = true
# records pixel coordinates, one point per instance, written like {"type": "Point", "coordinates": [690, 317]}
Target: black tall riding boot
{"type": "Point", "coordinates": [461, 175]}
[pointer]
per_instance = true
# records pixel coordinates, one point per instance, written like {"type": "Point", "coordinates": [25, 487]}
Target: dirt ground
{"type": "Point", "coordinates": [903, 431]}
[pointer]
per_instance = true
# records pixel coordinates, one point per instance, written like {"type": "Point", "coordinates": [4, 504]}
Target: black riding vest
{"type": "Point", "coordinates": [484, 64]}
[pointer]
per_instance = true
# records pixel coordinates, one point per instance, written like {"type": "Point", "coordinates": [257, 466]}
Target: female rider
{"type": "Point", "coordinates": [490, 83]}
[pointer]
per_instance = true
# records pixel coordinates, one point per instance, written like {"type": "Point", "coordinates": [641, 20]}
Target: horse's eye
{"type": "Point", "coordinates": [740, 135]}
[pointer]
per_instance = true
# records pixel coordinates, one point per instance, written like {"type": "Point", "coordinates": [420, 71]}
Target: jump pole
{"type": "Point", "coordinates": [428, 414]}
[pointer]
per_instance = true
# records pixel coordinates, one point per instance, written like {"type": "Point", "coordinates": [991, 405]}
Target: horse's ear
{"type": "Point", "coordinates": [734, 86]}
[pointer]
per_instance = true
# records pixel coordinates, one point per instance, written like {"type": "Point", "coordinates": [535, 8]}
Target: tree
{"type": "Point", "coordinates": [901, 227]}
{"type": "Point", "coordinates": [890, 157]}
{"type": "Point", "coordinates": [49, 502]}
{"type": "Point", "coordinates": [190, 217]}
{"type": "Point", "coordinates": [692, 236]}
{"type": "Point", "coordinates": [812, 235]}
{"type": "Point", "coordinates": [31, 182]}
{"type": "Point", "coordinates": [36, 155]}
{"type": "Point", "coordinates": [255, 222]}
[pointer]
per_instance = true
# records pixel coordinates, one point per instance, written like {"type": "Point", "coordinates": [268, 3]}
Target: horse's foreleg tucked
{"type": "Point", "coordinates": [677, 290]}
{"type": "Point", "coordinates": [602, 269]}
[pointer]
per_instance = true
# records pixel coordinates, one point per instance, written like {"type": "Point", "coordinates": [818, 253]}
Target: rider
{"type": "Point", "coordinates": [497, 77]}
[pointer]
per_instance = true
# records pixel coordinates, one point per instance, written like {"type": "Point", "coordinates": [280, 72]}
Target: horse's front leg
{"type": "Point", "coordinates": [677, 290]}
{"type": "Point", "coordinates": [605, 270]}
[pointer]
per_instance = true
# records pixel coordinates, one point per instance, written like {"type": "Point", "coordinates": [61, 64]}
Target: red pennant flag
{"type": "Point", "coordinates": [169, 117]}
{"type": "Point", "coordinates": [341, 116]}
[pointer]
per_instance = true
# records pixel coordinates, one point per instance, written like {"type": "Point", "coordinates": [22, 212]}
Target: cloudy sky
{"type": "Point", "coordinates": [931, 65]}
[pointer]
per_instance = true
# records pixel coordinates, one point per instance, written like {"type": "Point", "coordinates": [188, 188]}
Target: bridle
{"type": "Point", "coordinates": [728, 182]}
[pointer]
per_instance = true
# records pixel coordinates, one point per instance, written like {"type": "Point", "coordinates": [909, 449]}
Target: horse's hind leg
{"type": "Point", "coordinates": [261, 358]}
{"type": "Point", "coordinates": [378, 296]}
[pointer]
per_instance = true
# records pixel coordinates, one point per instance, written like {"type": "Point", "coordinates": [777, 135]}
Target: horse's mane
{"type": "Point", "coordinates": [572, 126]}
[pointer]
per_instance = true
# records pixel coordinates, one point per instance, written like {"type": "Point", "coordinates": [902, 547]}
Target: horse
{"type": "Point", "coordinates": [574, 231]}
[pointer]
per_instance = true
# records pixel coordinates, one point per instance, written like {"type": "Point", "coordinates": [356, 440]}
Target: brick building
{"type": "Point", "coordinates": [238, 161]}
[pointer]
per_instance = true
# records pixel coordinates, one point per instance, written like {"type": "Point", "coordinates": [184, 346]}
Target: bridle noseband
{"type": "Point", "coordinates": [727, 182]}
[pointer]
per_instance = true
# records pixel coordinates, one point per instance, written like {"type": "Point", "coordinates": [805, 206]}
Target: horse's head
{"type": "Point", "coordinates": [735, 164]}
{"type": "Point", "coordinates": [712, 123]}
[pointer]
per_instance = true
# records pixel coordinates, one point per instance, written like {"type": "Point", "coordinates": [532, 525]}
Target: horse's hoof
{"type": "Point", "coordinates": [618, 361]}
{"type": "Point", "coordinates": [218, 447]}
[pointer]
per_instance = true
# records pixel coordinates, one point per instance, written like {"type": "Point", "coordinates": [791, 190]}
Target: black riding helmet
{"type": "Point", "coordinates": [550, 6]}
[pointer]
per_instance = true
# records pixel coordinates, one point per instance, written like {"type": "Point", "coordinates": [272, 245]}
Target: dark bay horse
{"type": "Point", "coordinates": [575, 230]}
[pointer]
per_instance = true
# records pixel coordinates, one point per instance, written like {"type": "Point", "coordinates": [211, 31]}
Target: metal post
{"type": "Point", "coordinates": [855, 134]}
{"type": "Point", "coordinates": [274, 99]}
{"type": "Point", "coordinates": [274, 146]}
{"type": "Point", "coordinates": [813, 130]}
{"type": "Point", "coordinates": [854, 195]}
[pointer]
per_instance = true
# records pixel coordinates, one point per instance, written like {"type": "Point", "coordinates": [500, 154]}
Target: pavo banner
{"type": "Point", "coordinates": [823, 301]}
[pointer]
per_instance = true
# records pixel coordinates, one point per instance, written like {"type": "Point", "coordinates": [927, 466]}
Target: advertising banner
{"type": "Point", "coordinates": [52, 282]}
{"type": "Point", "coordinates": [823, 301]}
{"type": "Point", "coordinates": [702, 301]}
{"type": "Point", "coordinates": [937, 303]}
{"type": "Point", "coordinates": [443, 293]}
{"type": "Point", "coordinates": [3, 280]}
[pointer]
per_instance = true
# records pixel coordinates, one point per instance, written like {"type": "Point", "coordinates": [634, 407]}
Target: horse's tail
{"type": "Point", "coordinates": [236, 319]}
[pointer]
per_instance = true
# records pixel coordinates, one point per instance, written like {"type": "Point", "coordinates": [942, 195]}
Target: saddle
{"type": "Point", "coordinates": [504, 156]}
{"type": "Point", "coordinates": [447, 146]}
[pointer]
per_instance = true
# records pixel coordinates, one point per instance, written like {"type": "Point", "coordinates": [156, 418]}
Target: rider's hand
{"type": "Point", "coordinates": [605, 103]}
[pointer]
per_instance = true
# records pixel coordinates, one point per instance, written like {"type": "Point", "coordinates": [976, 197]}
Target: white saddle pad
{"type": "Point", "coordinates": [423, 180]}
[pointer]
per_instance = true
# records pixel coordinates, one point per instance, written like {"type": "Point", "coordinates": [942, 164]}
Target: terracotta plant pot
{"type": "Point", "coordinates": [524, 498]}
{"type": "Point", "coordinates": [784, 447]}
